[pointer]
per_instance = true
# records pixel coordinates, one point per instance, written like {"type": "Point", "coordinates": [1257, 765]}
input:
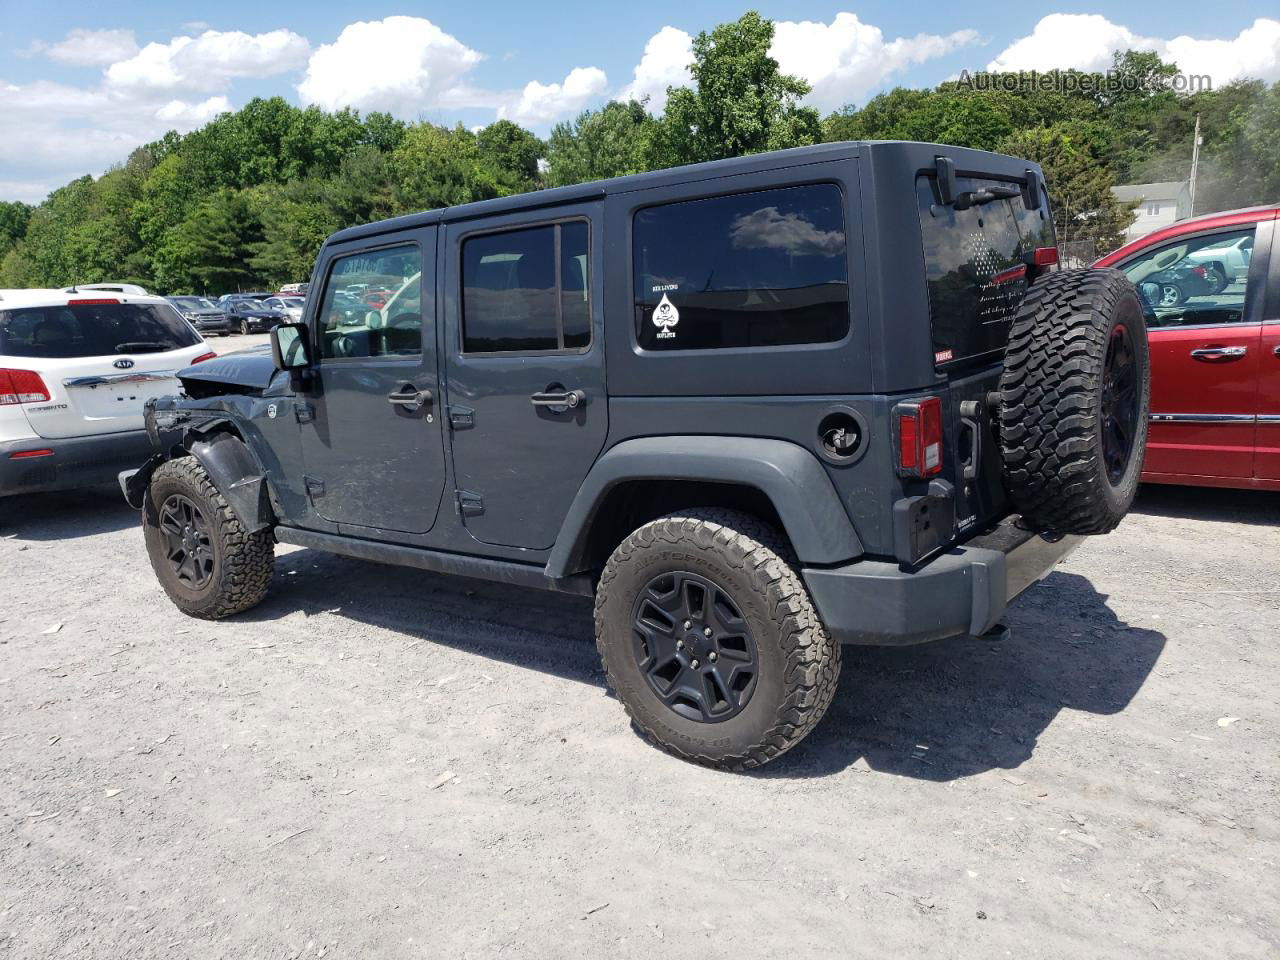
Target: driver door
{"type": "Point", "coordinates": [371, 438]}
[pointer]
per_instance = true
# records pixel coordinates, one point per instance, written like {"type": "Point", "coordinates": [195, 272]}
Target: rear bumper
{"type": "Point", "coordinates": [74, 462]}
{"type": "Point", "coordinates": [964, 591]}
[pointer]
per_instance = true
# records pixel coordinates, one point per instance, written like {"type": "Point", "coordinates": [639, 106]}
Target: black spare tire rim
{"type": "Point", "coordinates": [1119, 403]}
{"type": "Point", "coordinates": [187, 543]}
{"type": "Point", "coordinates": [694, 647]}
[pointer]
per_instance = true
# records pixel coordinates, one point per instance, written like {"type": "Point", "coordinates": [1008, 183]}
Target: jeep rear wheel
{"type": "Point", "coordinates": [710, 640]}
{"type": "Point", "coordinates": [208, 564]}
{"type": "Point", "coordinates": [1075, 395]}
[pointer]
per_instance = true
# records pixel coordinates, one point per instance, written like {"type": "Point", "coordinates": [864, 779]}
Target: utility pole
{"type": "Point", "coordinates": [1195, 163]}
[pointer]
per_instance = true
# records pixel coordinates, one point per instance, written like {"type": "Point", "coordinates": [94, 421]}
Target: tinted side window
{"type": "Point", "coordinates": [748, 270]}
{"type": "Point", "coordinates": [373, 305]}
{"type": "Point", "coordinates": [1194, 280]}
{"type": "Point", "coordinates": [527, 290]}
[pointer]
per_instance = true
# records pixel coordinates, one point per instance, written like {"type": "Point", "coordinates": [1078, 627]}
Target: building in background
{"type": "Point", "coordinates": [1159, 205]}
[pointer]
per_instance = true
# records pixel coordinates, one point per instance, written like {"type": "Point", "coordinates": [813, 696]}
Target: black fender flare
{"type": "Point", "coordinates": [791, 477]}
{"type": "Point", "coordinates": [231, 466]}
{"type": "Point", "coordinates": [235, 471]}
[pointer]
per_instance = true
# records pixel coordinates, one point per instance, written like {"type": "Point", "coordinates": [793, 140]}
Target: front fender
{"type": "Point", "coordinates": [234, 471]}
{"type": "Point", "coordinates": [790, 476]}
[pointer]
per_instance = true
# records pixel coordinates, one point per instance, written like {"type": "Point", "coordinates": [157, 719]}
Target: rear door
{"type": "Point", "coordinates": [526, 393]}
{"type": "Point", "coordinates": [100, 359]}
{"type": "Point", "coordinates": [1205, 334]}
{"type": "Point", "coordinates": [371, 437]}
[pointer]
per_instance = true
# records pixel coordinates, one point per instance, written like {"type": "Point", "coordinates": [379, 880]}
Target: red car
{"type": "Point", "coordinates": [1212, 286]}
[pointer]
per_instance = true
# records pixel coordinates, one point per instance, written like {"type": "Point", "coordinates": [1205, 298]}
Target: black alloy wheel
{"type": "Point", "coordinates": [694, 647]}
{"type": "Point", "coordinates": [1120, 403]}
{"type": "Point", "coordinates": [187, 540]}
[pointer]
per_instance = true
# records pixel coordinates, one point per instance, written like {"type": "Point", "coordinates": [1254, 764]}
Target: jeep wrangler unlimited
{"type": "Point", "coordinates": [757, 408]}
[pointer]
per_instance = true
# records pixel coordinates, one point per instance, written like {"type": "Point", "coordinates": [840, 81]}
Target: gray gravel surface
{"type": "Point", "coordinates": [378, 762]}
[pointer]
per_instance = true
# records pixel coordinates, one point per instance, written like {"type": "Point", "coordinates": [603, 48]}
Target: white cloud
{"type": "Point", "coordinates": [91, 48]}
{"type": "Point", "coordinates": [846, 60]}
{"type": "Point", "coordinates": [1087, 42]}
{"type": "Point", "coordinates": [403, 65]}
{"type": "Point", "coordinates": [539, 104]}
{"type": "Point", "coordinates": [843, 61]}
{"type": "Point", "coordinates": [665, 63]}
{"type": "Point", "coordinates": [210, 61]}
{"type": "Point", "coordinates": [51, 133]}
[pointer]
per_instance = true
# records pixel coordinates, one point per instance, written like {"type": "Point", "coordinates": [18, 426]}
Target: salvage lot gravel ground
{"type": "Point", "coordinates": [379, 762]}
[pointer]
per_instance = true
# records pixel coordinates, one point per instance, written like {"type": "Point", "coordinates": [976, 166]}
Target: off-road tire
{"type": "Point", "coordinates": [1052, 411]}
{"type": "Point", "coordinates": [243, 561]}
{"type": "Point", "coordinates": [799, 663]}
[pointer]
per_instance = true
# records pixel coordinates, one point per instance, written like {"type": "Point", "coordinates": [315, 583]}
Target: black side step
{"type": "Point", "coordinates": [482, 568]}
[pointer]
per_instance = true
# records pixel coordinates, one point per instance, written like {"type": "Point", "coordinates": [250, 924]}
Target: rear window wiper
{"type": "Point", "coordinates": [142, 346]}
{"type": "Point", "coordinates": [976, 198]}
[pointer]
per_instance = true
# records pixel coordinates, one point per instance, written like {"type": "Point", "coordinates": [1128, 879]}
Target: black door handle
{"type": "Point", "coordinates": [412, 399]}
{"type": "Point", "coordinates": [568, 399]}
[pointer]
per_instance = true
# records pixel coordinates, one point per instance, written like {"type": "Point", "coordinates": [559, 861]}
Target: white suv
{"type": "Point", "coordinates": [75, 369]}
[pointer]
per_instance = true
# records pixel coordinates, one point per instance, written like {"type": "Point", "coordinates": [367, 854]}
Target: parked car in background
{"type": "Point", "coordinates": [298, 288]}
{"type": "Point", "coordinates": [290, 306]}
{"type": "Point", "coordinates": [203, 314]}
{"type": "Point", "coordinates": [253, 316]}
{"type": "Point", "coordinates": [75, 371]}
{"type": "Point", "coordinates": [1212, 288]}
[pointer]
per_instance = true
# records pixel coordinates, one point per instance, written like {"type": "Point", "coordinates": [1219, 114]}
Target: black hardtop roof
{"type": "Point", "coordinates": [918, 154]}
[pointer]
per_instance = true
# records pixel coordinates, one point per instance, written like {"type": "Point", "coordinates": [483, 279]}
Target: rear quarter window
{"type": "Point", "coordinates": [747, 270]}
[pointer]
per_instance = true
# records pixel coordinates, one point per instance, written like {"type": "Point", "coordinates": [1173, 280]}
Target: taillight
{"type": "Point", "coordinates": [31, 454]}
{"type": "Point", "coordinates": [920, 437]}
{"type": "Point", "coordinates": [91, 302]}
{"type": "Point", "coordinates": [202, 358]}
{"type": "Point", "coordinates": [21, 386]}
{"type": "Point", "coordinates": [1199, 271]}
{"type": "Point", "coordinates": [1045, 256]}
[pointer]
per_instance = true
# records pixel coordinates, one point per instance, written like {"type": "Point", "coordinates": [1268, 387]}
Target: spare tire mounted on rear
{"type": "Point", "coordinates": [1074, 402]}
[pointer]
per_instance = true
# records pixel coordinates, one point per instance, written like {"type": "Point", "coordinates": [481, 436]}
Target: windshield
{"type": "Point", "coordinates": [93, 330]}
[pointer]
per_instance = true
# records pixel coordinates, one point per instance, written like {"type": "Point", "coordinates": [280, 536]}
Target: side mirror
{"type": "Point", "coordinates": [289, 346]}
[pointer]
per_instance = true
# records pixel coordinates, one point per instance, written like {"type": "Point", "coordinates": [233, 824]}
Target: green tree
{"type": "Point", "coordinates": [513, 152]}
{"type": "Point", "coordinates": [14, 217]}
{"type": "Point", "coordinates": [210, 250]}
{"type": "Point", "coordinates": [612, 142]}
{"type": "Point", "coordinates": [442, 167]}
{"type": "Point", "coordinates": [1079, 187]}
{"type": "Point", "coordinates": [740, 103]}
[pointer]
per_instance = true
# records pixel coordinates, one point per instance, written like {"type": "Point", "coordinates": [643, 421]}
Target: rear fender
{"type": "Point", "coordinates": [790, 476]}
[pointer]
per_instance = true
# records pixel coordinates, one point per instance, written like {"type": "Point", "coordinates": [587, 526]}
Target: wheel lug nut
{"type": "Point", "coordinates": [713, 656]}
{"type": "Point", "coordinates": [707, 631]}
{"type": "Point", "coordinates": [695, 664]}
{"type": "Point", "coordinates": [679, 644]}
{"type": "Point", "coordinates": [687, 624]}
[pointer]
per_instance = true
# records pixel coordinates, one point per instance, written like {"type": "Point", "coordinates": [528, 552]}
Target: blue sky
{"type": "Point", "coordinates": [82, 83]}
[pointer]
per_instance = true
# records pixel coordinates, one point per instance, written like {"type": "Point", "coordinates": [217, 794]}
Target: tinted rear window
{"type": "Point", "coordinates": [93, 330]}
{"type": "Point", "coordinates": [748, 270]}
{"type": "Point", "coordinates": [975, 266]}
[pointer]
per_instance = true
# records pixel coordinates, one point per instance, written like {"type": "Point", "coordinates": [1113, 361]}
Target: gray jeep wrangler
{"type": "Point", "coordinates": [757, 408]}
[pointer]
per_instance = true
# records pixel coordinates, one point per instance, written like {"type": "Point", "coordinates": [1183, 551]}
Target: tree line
{"type": "Point", "coordinates": [245, 201]}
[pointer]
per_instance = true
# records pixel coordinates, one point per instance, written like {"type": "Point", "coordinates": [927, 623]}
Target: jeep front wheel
{"type": "Point", "coordinates": [208, 564]}
{"type": "Point", "coordinates": [710, 640]}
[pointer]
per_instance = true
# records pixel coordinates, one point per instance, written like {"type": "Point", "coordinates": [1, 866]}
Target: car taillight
{"type": "Point", "coordinates": [1199, 271]}
{"type": "Point", "coordinates": [21, 386]}
{"type": "Point", "coordinates": [91, 301]}
{"type": "Point", "coordinates": [920, 437]}
{"type": "Point", "coordinates": [202, 358]}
